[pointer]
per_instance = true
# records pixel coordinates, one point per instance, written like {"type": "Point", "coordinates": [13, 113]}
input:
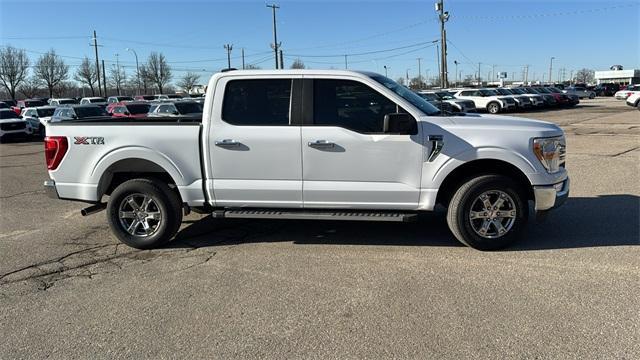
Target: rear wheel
{"type": "Point", "coordinates": [592, 96]}
{"type": "Point", "coordinates": [144, 213]}
{"type": "Point", "coordinates": [488, 212]}
{"type": "Point", "coordinates": [493, 108]}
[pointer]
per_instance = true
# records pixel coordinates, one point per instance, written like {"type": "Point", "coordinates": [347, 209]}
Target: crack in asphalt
{"type": "Point", "coordinates": [32, 192]}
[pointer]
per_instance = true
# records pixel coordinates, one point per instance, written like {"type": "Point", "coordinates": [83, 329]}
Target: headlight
{"type": "Point", "coordinates": [550, 152]}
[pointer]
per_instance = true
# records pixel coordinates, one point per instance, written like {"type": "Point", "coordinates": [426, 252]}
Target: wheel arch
{"type": "Point", "coordinates": [130, 168]}
{"type": "Point", "coordinates": [464, 172]}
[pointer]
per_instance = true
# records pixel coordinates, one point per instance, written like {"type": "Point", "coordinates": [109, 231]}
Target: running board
{"type": "Point", "coordinates": [315, 215]}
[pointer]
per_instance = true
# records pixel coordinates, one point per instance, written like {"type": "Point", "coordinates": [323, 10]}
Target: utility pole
{"type": "Point", "coordinates": [242, 58]}
{"type": "Point", "coordinates": [493, 72]}
{"type": "Point", "coordinates": [137, 69]}
{"type": "Point", "coordinates": [420, 72]}
{"type": "Point", "coordinates": [228, 47]}
{"type": "Point", "coordinates": [456, 63]}
{"type": "Point", "coordinates": [104, 77]}
{"type": "Point", "coordinates": [439, 68]}
{"type": "Point", "coordinates": [118, 74]}
{"type": "Point", "coordinates": [526, 74]}
{"type": "Point", "coordinates": [550, 68]}
{"type": "Point", "coordinates": [407, 77]}
{"type": "Point", "coordinates": [479, 78]}
{"type": "Point", "coordinates": [281, 60]}
{"type": "Point", "coordinates": [346, 64]}
{"type": "Point", "coordinates": [275, 45]}
{"type": "Point", "coordinates": [95, 46]}
{"type": "Point", "coordinates": [444, 17]}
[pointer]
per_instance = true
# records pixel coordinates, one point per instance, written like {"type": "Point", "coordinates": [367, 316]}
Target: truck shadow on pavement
{"type": "Point", "coordinates": [609, 220]}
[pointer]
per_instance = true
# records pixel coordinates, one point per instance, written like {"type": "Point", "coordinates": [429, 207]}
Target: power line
{"type": "Point", "coordinates": [556, 14]}
{"type": "Point", "coordinates": [367, 52]}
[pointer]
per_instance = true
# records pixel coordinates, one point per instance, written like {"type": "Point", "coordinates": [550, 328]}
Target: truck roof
{"type": "Point", "coordinates": [296, 72]}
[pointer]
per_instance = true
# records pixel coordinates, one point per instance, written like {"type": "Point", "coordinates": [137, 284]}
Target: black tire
{"type": "Point", "coordinates": [493, 107]}
{"type": "Point", "coordinates": [592, 96]}
{"type": "Point", "coordinates": [163, 200]}
{"type": "Point", "coordinates": [460, 206]}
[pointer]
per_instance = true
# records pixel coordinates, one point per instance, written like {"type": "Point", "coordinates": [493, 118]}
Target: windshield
{"type": "Point", "coordinates": [445, 95]}
{"type": "Point", "coordinates": [504, 91]}
{"type": "Point", "coordinates": [97, 100]}
{"type": "Point", "coordinates": [83, 112]}
{"type": "Point", "coordinates": [188, 108]}
{"type": "Point", "coordinates": [46, 112]}
{"type": "Point", "coordinates": [34, 103]}
{"type": "Point", "coordinates": [517, 91]}
{"type": "Point", "coordinates": [542, 90]}
{"type": "Point", "coordinates": [124, 98]}
{"type": "Point", "coordinates": [408, 95]}
{"type": "Point", "coordinates": [138, 109]}
{"type": "Point", "coordinates": [66, 101]}
{"type": "Point", "coordinates": [8, 115]}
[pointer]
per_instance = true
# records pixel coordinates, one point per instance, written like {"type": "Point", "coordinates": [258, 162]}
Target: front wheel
{"type": "Point", "coordinates": [488, 212]}
{"type": "Point", "coordinates": [493, 108]}
{"type": "Point", "coordinates": [144, 213]}
{"type": "Point", "coordinates": [592, 96]}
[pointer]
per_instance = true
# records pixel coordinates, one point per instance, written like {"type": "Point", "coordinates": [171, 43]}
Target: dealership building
{"type": "Point", "coordinates": [622, 77]}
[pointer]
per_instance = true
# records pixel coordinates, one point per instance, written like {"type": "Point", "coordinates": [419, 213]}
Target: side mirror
{"type": "Point", "coordinates": [127, 113]}
{"type": "Point", "coordinates": [400, 124]}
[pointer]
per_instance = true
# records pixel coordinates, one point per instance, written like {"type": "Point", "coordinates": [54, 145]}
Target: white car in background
{"type": "Point", "coordinates": [487, 99]}
{"type": "Point", "coordinates": [11, 125]}
{"type": "Point", "coordinates": [634, 99]}
{"type": "Point", "coordinates": [63, 101]}
{"type": "Point", "coordinates": [458, 104]}
{"type": "Point", "coordinates": [37, 118]}
{"type": "Point", "coordinates": [95, 100]}
{"type": "Point", "coordinates": [580, 92]}
{"type": "Point", "coordinates": [624, 94]}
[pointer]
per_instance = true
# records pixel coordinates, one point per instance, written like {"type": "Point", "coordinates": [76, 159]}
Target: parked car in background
{"type": "Point", "coordinates": [94, 100]}
{"type": "Point", "coordinates": [549, 100]}
{"type": "Point", "coordinates": [21, 104]}
{"type": "Point", "coordinates": [536, 99]}
{"type": "Point", "coordinates": [131, 109]}
{"type": "Point", "coordinates": [144, 97]}
{"type": "Point", "coordinates": [11, 125]}
{"type": "Point", "coordinates": [75, 112]}
{"type": "Point", "coordinates": [4, 106]}
{"type": "Point", "coordinates": [634, 99]}
{"type": "Point", "coordinates": [580, 92]}
{"type": "Point", "coordinates": [623, 94]}
{"type": "Point", "coordinates": [606, 89]}
{"type": "Point", "coordinates": [37, 118]}
{"type": "Point", "coordinates": [9, 102]}
{"type": "Point", "coordinates": [435, 100]}
{"type": "Point", "coordinates": [522, 101]}
{"type": "Point", "coordinates": [118, 99]}
{"type": "Point", "coordinates": [459, 105]}
{"type": "Point", "coordinates": [58, 102]}
{"type": "Point", "coordinates": [487, 99]}
{"type": "Point", "coordinates": [571, 100]}
{"type": "Point", "coordinates": [187, 109]}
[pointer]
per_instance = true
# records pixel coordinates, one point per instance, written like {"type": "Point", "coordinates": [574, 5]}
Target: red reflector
{"type": "Point", "coordinates": [54, 149]}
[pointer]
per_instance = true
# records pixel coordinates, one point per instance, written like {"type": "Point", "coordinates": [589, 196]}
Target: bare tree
{"type": "Point", "coordinates": [145, 79]}
{"type": "Point", "coordinates": [298, 64]}
{"type": "Point", "coordinates": [14, 64]}
{"type": "Point", "coordinates": [400, 80]}
{"type": "Point", "coordinates": [585, 76]}
{"type": "Point", "coordinates": [118, 78]}
{"type": "Point", "coordinates": [52, 70]}
{"type": "Point", "coordinates": [65, 89]}
{"type": "Point", "coordinates": [31, 87]}
{"type": "Point", "coordinates": [159, 71]}
{"type": "Point", "coordinates": [188, 81]}
{"type": "Point", "coordinates": [87, 75]}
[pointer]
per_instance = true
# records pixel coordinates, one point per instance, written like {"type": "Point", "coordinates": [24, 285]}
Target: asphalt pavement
{"type": "Point", "coordinates": [304, 289]}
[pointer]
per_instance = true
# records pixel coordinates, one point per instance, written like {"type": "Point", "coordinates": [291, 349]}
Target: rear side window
{"type": "Point", "coordinates": [351, 105]}
{"type": "Point", "coordinates": [258, 102]}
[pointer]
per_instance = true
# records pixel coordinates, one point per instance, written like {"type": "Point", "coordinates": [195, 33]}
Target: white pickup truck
{"type": "Point", "coordinates": [310, 144]}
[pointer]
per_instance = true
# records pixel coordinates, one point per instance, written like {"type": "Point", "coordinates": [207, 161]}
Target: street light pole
{"type": "Point", "coordinates": [228, 47]}
{"type": "Point", "coordinates": [137, 68]}
{"type": "Point", "coordinates": [550, 68]}
{"type": "Point", "coordinates": [386, 72]}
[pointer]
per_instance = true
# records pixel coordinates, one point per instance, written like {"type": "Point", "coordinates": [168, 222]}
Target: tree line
{"type": "Point", "coordinates": [49, 74]}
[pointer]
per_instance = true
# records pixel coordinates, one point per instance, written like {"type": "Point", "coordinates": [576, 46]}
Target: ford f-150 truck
{"type": "Point", "coordinates": [310, 144]}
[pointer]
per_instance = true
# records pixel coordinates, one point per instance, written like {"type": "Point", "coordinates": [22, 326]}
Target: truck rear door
{"type": "Point", "coordinates": [255, 154]}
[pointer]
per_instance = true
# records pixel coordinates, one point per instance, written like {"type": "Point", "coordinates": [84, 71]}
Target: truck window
{"type": "Point", "coordinates": [257, 102]}
{"type": "Point", "coordinates": [351, 105]}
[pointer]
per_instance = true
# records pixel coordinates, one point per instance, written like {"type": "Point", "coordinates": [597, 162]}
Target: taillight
{"type": "Point", "coordinates": [629, 94]}
{"type": "Point", "coordinates": [54, 149]}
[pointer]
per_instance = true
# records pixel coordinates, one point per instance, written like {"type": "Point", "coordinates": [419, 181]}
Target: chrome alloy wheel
{"type": "Point", "coordinates": [492, 214]}
{"type": "Point", "coordinates": [139, 215]}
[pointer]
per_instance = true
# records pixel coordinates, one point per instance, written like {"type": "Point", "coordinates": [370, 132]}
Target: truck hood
{"type": "Point", "coordinates": [482, 122]}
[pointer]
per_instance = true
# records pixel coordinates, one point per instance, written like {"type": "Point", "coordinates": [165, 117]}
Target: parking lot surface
{"type": "Point", "coordinates": [291, 289]}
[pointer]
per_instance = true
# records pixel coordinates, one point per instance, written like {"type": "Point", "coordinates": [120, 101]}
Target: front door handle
{"type": "Point", "coordinates": [321, 144]}
{"type": "Point", "coordinates": [227, 143]}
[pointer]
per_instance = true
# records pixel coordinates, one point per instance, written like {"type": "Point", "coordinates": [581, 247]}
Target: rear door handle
{"type": "Point", "coordinates": [321, 144]}
{"type": "Point", "coordinates": [227, 143]}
